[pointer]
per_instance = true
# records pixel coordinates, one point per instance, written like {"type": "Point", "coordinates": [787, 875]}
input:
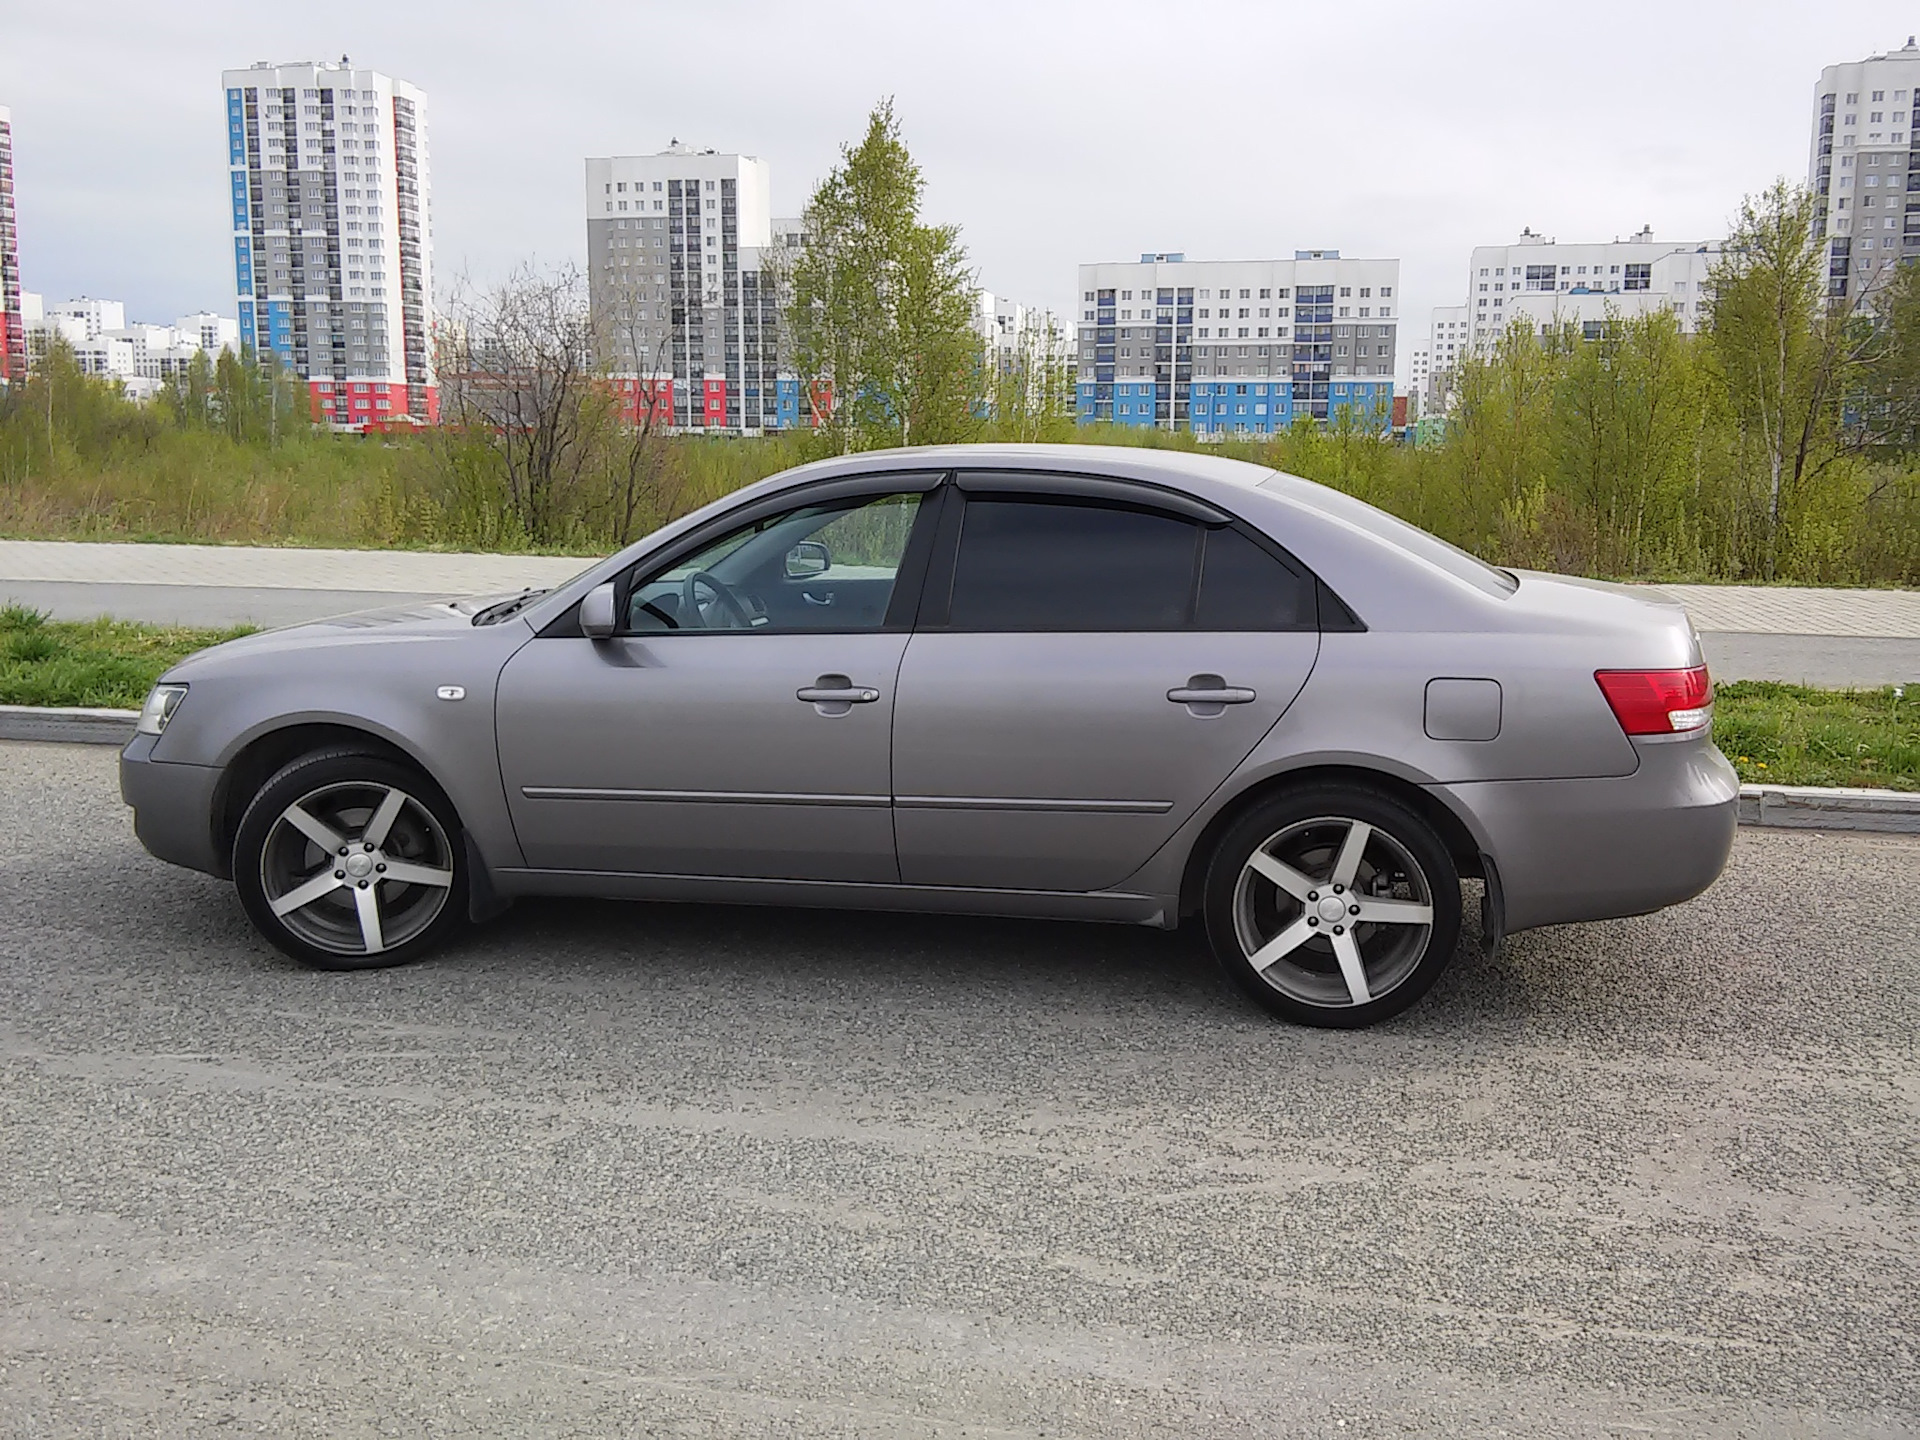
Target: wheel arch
{"type": "Point", "coordinates": [265, 753]}
{"type": "Point", "coordinates": [1453, 831]}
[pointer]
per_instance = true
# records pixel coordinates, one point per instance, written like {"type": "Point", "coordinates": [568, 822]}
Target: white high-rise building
{"type": "Point", "coordinates": [677, 251]}
{"type": "Point", "coordinates": [1551, 284]}
{"type": "Point", "coordinates": [1237, 346]}
{"type": "Point", "coordinates": [140, 356]}
{"type": "Point", "coordinates": [333, 236]}
{"type": "Point", "coordinates": [1448, 342]}
{"type": "Point", "coordinates": [1012, 332]}
{"type": "Point", "coordinates": [1864, 143]}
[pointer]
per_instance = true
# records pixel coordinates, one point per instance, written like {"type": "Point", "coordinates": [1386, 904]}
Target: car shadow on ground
{"type": "Point", "coordinates": [1547, 979]}
{"type": "Point", "coordinates": [941, 959]}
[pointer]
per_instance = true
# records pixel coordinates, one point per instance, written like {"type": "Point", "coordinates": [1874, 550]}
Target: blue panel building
{"type": "Point", "coordinates": [1231, 347]}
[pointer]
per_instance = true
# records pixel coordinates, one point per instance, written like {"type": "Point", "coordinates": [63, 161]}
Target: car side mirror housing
{"type": "Point", "coordinates": [808, 559]}
{"type": "Point", "coordinates": [596, 612]}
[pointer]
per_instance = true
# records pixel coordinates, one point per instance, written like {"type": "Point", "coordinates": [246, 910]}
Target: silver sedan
{"type": "Point", "coordinates": [1067, 681]}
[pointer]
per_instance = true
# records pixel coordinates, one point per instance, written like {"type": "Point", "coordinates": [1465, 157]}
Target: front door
{"type": "Point", "coordinates": [1099, 671]}
{"type": "Point", "coordinates": [738, 725]}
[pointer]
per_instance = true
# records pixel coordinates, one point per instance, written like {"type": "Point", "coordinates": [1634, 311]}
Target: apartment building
{"type": "Point", "coordinates": [1864, 166]}
{"type": "Point", "coordinates": [1547, 283]}
{"type": "Point", "coordinates": [140, 356]}
{"type": "Point", "coordinates": [13, 335]}
{"type": "Point", "coordinates": [680, 264]}
{"type": "Point", "coordinates": [1448, 342]}
{"type": "Point", "coordinates": [1237, 346]}
{"type": "Point", "coordinates": [332, 235]}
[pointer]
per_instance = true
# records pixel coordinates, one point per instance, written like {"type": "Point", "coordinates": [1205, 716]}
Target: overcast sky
{"type": "Point", "coordinates": [1053, 133]}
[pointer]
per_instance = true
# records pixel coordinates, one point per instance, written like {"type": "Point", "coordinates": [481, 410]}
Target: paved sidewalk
{"type": "Point", "coordinates": [1793, 610]}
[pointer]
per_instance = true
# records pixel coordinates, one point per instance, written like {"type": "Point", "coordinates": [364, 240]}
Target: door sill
{"type": "Point", "coordinates": [1125, 907]}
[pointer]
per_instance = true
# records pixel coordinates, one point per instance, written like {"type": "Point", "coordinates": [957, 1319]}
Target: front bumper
{"type": "Point", "coordinates": [172, 806]}
{"type": "Point", "coordinates": [1597, 849]}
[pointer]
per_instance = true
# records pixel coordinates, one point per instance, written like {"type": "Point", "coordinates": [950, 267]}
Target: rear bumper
{"type": "Point", "coordinates": [172, 806]}
{"type": "Point", "coordinates": [1597, 849]}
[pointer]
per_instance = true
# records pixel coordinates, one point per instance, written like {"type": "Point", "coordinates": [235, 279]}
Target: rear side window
{"type": "Point", "coordinates": [1244, 587]}
{"type": "Point", "coordinates": [1053, 565]}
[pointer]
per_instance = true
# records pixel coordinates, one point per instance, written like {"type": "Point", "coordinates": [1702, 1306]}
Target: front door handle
{"type": "Point", "coordinates": [1207, 695]}
{"type": "Point", "coordinates": [836, 694]}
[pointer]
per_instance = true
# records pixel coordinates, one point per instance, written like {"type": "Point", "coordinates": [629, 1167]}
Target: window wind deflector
{"type": "Point", "coordinates": [1091, 487]}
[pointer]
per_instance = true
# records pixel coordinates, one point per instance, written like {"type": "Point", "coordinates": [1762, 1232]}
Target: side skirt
{"type": "Point", "coordinates": [1116, 906]}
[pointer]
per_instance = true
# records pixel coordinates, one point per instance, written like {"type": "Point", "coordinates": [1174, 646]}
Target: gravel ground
{"type": "Point", "coordinates": [613, 1170]}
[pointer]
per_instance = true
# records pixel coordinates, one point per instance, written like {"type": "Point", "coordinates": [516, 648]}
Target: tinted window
{"type": "Point", "coordinates": [1052, 565]}
{"type": "Point", "coordinates": [1243, 587]}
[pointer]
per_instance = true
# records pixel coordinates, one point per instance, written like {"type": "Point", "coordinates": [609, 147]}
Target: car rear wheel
{"type": "Point", "coordinates": [1333, 906]}
{"type": "Point", "coordinates": [349, 861]}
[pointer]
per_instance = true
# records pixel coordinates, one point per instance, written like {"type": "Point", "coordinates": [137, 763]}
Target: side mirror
{"type": "Point", "coordinates": [808, 559]}
{"type": "Point", "coordinates": [596, 612]}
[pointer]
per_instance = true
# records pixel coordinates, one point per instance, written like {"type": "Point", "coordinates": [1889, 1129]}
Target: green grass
{"type": "Point", "coordinates": [1778, 734]}
{"type": "Point", "coordinates": [1795, 735]}
{"type": "Point", "coordinates": [110, 663]}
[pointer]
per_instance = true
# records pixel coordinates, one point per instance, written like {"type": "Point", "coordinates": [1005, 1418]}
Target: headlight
{"type": "Point", "coordinates": [162, 701]}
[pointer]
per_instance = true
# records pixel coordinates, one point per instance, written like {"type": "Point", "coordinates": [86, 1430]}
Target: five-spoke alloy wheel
{"type": "Point", "coordinates": [1333, 906]}
{"type": "Point", "coordinates": [350, 861]}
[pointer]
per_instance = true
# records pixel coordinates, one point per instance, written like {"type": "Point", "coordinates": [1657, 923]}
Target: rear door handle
{"type": "Point", "coordinates": [1206, 695]}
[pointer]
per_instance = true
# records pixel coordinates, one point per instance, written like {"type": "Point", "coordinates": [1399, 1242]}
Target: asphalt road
{"type": "Point", "coordinates": [625, 1170]}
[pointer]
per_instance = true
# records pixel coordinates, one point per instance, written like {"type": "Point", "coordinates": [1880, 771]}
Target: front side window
{"type": "Point", "coordinates": [823, 567]}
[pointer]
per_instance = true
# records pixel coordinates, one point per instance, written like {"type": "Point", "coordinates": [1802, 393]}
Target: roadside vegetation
{"type": "Point", "coordinates": [1774, 734]}
{"type": "Point", "coordinates": [110, 664]}
{"type": "Point", "coordinates": [1796, 735]}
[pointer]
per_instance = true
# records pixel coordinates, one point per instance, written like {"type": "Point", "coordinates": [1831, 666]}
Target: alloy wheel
{"type": "Point", "coordinates": [1333, 911]}
{"type": "Point", "coordinates": [356, 867]}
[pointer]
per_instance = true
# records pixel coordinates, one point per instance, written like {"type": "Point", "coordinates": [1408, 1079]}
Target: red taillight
{"type": "Point", "coordinates": [1658, 702]}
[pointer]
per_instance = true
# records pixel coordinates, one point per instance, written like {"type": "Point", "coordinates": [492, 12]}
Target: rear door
{"type": "Point", "coordinates": [1089, 666]}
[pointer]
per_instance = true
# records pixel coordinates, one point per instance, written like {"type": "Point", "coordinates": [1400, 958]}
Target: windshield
{"type": "Point", "coordinates": [1411, 538]}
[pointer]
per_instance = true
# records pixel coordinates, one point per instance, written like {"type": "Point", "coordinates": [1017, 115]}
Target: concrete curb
{"type": "Point", "coordinates": [1788, 807]}
{"type": "Point", "coordinates": [69, 725]}
{"type": "Point", "coordinates": [1811, 807]}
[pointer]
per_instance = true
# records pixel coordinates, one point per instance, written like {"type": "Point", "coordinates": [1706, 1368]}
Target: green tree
{"type": "Point", "coordinates": [880, 304]}
{"type": "Point", "coordinates": [1790, 354]}
{"type": "Point", "coordinates": [1627, 411]}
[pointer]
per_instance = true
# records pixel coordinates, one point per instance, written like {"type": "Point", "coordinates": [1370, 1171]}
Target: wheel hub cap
{"type": "Point", "coordinates": [360, 865]}
{"type": "Point", "coordinates": [1331, 908]}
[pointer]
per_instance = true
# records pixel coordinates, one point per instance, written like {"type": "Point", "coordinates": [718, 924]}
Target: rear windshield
{"type": "Point", "coordinates": [1411, 538]}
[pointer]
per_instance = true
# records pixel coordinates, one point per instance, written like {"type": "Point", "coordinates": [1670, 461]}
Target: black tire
{"type": "Point", "coordinates": [343, 790]}
{"type": "Point", "coordinates": [1402, 866]}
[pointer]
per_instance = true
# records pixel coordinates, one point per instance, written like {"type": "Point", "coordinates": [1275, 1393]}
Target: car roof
{"type": "Point", "coordinates": [1139, 461]}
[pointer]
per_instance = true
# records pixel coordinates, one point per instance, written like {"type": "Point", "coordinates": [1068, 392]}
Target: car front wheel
{"type": "Point", "coordinates": [349, 861]}
{"type": "Point", "coordinates": [1333, 906]}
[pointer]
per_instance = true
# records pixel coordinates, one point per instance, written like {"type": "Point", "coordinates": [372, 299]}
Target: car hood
{"type": "Point", "coordinates": [414, 622]}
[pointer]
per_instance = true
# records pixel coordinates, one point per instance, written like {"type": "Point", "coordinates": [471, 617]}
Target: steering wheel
{"type": "Point", "coordinates": [691, 616]}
